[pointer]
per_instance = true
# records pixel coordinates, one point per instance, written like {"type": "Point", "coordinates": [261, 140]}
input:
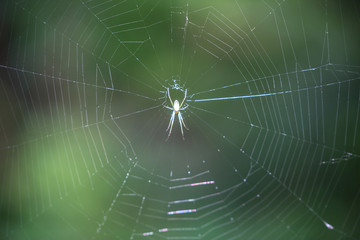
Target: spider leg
{"type": "Point", "coordinates": [171, 123]}
{"type": "Point", "coordinates": [184, 98]}
{"type": "Point", "coordinates": [168, 91]}
{"type": "Point", "coordinates": [186, 106]}
{"type": "Point", "coordinates": [181, 124]}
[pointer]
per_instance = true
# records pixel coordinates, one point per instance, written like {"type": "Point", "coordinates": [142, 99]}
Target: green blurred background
{"type": "Point", "coordinates": [83, 125]}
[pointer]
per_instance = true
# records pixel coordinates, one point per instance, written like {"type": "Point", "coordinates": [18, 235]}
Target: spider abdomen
{"type": "Point", "coordinates": [176, 106]}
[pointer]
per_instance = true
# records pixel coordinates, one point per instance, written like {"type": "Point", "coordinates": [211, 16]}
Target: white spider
{"type": "Point", "coordinates": [176, 108]}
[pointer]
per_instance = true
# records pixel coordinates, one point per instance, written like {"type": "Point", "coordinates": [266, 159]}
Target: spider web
{"type": "Point", "coordinates": [272, 150]}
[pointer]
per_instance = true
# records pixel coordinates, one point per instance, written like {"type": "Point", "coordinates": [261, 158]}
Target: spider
{"type": "Point", "coordinates": [176, 108]}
